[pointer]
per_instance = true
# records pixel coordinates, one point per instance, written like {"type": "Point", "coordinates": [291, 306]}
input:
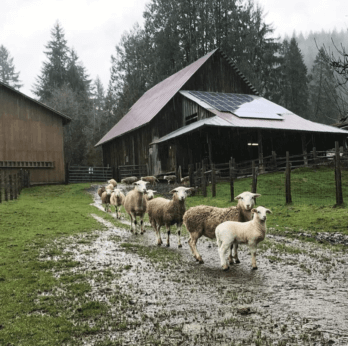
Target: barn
{"type": "Point", "coordinates": [31, 137]}
{"type": "Point", "coordinates": [209, 110]}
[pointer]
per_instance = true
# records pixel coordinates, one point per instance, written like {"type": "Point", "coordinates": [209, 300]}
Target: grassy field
{"type": "Point", "coordinates": [33, 314]}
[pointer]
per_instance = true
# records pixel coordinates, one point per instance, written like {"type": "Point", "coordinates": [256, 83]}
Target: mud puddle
{"type": "Point", "coordinates": [298, 296]}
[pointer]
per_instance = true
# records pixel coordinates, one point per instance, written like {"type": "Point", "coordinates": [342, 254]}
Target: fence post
{"type": "Point", "coordinates": [192, 184]}
{"type": "Point", "coordinates": [213, 180]}
{"type": "Point", "coordinates": [315, 157]}
{"type": "Point", "coordinates": [15, 186]}
{"type": "Point", "coordinates": [304, 149]}
{"type": "Point", "coordinates": [6, 187]}
{"type": "Point", "coordinates": [66, 174]}
{"type": "Point", "coordinates": [204, 184]}
{"type": "Point", "coordinates": [179, 174]}
{"type": "Point", "coordinates": [254, 178]}
{"type": "Point", "coordinates": [11, 187]}
{"type": "Point", "coordinates": [274, 159]}
{"type": "Point", "coordinates": [288, 180]}
{"type": "Point", "coordinates": [231, 169]}
{"type": "Point", "coordinates": [339, 195]}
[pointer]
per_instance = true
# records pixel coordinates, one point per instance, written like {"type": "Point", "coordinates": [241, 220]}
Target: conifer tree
{"type": "Point", "coordinates": [7, 69]}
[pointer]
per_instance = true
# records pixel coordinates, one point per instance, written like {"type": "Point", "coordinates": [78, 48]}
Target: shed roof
{"type": "Point", "coordinates": [289, 120]}
{"type": "Point", "coordinates": [66, 119]}
{"type": "Point", "coordinates": [153, 100]}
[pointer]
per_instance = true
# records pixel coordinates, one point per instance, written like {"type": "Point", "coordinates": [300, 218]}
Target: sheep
{"type": "Point", "coordinates": [129, 180]}
{"type": "Point", "coordinates": [150, 194]}
{"type": "Point", "coordinates": [135, 204]}
{"type": "Point", "coordinates": [151, 179]}
{"type": "Point", "coordinates": [113, 182]}
{"type": "Point", "coordinates": [170, 178]}
{"type": "Point", "coordinates": [233, 233]}
{"type": "Point", "coordinates": [105, 197]}
{"type": "Point", "coordinates": [185, 180]}
{"type": "Point", "coordinates": [165, 212]}
{"type": "Point", "coordinates": [117, 200]}
{"type": "Point", "coordinates": [203, 219]}
{"type": "Point", "coordinates": [103, 188]}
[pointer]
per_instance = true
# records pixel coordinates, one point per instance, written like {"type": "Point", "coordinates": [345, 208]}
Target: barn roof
{"type": "Point", "coordinates": [153, 100]}
{"type": "Point", "coordinates": [66, 119]}
{"type": "Point", "coordinates": [256, 117]}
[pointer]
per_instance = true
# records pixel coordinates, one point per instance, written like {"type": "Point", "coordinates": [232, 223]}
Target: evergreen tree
{"type": "Point", "coordinates": [54, 71]}
{"type": "Point", "coordinates": [7, 69]}
{"type": "Point", "coordinates": [294, 79]}
{"type": "Point", "coordinates": [322, 96]}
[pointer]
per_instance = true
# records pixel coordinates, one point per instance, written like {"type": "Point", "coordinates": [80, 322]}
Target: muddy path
{"type": "Point", "coordinates": [298, 296]}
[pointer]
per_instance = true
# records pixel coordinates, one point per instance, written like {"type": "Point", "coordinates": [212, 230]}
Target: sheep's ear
{"type": "Point", "coordinates": [238, 197]}
{"type": "Point", "coordinates": [154, 191]}
{"type": "Point", "coordinates": [173, 191]}
{"type": "Point", "coordinates": [268, 211]}
{"type": "Point", "coordinates": [254, 210]}
{"type": "Point", "coordinates": [256, 195]}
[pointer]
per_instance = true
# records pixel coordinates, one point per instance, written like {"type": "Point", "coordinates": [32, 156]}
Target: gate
{"type": "Point", "coordinates": [132, 170]}
{"type": "Point", "coordinates": [84, 174]}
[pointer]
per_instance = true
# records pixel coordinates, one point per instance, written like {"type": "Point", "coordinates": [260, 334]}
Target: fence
{"type": "Point", "coordinates": [132, 170]}
{"type": "Point", "coordinates": [11, 185]}
{"type": "Point", "coordinates": [334, 162]}
{"type": "Point", "coordinates": [83, 174]}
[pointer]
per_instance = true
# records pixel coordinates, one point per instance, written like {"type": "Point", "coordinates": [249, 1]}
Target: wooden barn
{"type": "Point", "coordinates": [31, 137]}
{"type": "Point", "coordinates": [209, 110]}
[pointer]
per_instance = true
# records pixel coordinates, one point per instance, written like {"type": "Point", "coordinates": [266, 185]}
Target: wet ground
{"type": "Point", "coordinates": [298, 296]}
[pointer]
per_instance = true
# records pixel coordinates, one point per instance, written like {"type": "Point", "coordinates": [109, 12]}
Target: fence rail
{"type": "Point", "coordinates": [132, 170]}
{"type": "Point", "coordinates": [11, 184]}
{"type": "Point", "coordinates": [82, 174]}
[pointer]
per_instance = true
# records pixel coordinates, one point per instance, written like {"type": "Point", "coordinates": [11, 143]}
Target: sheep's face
{"type": "Point", "coordinates": [109, 191]}
{"type": "Point", "coordinates": [150, 194]}
{"type": "Point", "coordinates": [117, 192]}
{"type": "Point", "coordinates": [140, 186]}
{"type": "Point", "coordinates": [247, 199]}
{"type": "Point", "coordinates": [181, 192]}
{"type": "Point", "coordinates": [261, 213]}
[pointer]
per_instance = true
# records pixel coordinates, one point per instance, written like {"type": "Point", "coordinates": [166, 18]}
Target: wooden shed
{"type": "Point", "coordinates": [31, 137]}
{"type": "Point", "coordinates": [208, 110]}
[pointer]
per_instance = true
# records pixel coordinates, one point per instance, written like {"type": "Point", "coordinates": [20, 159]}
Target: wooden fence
{"type": "Point", "coordinates": [132, 170]}
{"type": "Point", "coordinates": [85, 174]}
{"type": "Point", "coordinates": [11, 184]}
{"type": "Point", "coordinates": [202, 174]}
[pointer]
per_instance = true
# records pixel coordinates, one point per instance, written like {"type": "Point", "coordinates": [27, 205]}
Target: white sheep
{"type": "Point", "coordinates": [151, 179]}
{"type": "Point", "coordinates": [165, 212]}
{"type": "Point", "coordinates": [150, 194]}
{"type": "Point", "coordinates": [105, 197]}
{"type": "Point", "coordinates": [117, 200]}
{"type": "Point", "coordinates": [135, 204]}
{"type": "Point", "coordinates": [170, 178]}
{"type": "Point", "coordinates": [113, 182]}
{"type": "Point", "coordinates": [129, 180]}
{"type": "Point", "coordinates": [233, 233]}
{"type": "Point", "coordinates": [203, 219]}
{"type": "Point", "coordinates": [185, 180]}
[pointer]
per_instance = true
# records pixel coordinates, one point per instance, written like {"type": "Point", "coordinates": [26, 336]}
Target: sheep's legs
{"type": "Point", "coordinates": [133, 218]}
{"type": "Point", "coordinates": [223, 251]}
{"type": "Point", "coordinates": [142, 231]}
{"type": "Point", "coordinates": [168, 235]}
{"type": "Point", "coordinates": [179, 233]}
{"type": "Point", "coordinates": [157, 229]}
{"type": "Point", "coordinates": [253, 256]}
{"type": "Point", "coordinates": [192, 242]}
{"type": "Point", "coordinates": [235, 255]}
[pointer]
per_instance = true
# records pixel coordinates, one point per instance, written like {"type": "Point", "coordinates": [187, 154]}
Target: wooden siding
{"type": "Point", "coordinates": [29, 132]}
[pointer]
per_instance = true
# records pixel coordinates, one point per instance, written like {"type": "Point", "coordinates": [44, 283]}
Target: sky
{"type": "Point", "coordinates": [94, 27]}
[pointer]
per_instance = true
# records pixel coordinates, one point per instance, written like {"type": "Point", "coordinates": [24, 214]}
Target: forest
{"type": "Point", "coordinates": [306, 74]}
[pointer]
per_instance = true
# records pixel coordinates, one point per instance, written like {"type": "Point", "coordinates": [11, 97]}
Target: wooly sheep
{"type": "Point", "coordinates": [101, 190]}
{"type": "Point", "coordinates": [151, 179]}
{"type": "Point", "coordinates": [170, 178]}
{"type": "Point", "coordinates": [203, 219]}
{"type": "Point", "coordinates": [105, 197]}
{"type": "Point", "coordinates": [117, 200]}
{"type": "Point", "coordinates": [135, 204]}
{"type": "Point", "coordinates": [129, 180]}
{"type": "Point", "coordinates": [150, 194]}
{"type": "Point", "coordinates": [113, 182]}
{"type": "Point", "coordinates": [231, 233]}
{"type": "Point", "coordinates": [165, 212]}
{"type": "Point", "coordinates": [185, 180]}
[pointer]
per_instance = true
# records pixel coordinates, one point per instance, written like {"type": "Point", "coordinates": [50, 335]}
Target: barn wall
{"type": "Point", "coordinates": [29, 132]}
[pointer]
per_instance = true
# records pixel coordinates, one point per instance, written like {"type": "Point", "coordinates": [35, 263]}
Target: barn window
{"type": "Point", "coordinates": [191, 118]}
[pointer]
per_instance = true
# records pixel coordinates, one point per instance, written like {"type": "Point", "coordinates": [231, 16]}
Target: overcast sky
{"type": "Point", "coordinates": [94, 27]}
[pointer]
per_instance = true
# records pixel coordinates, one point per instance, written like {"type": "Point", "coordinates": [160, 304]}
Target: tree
{"type": "Point", "coordinates": [7, 69]}
{"type": "Point", "coordinates": [294, 79]}
{"type": "Point", "coordinates": [54, 71]}
{"type": "Point", "coordinates": [322, 91]}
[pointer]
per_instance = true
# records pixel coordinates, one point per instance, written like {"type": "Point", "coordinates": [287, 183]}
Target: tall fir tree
{"type": "Point", "coordinates": [323, 98]}
{"type": "Point", "coordinates": [294, 79]}
{"type": "Point", "coordinates": [7, 69]}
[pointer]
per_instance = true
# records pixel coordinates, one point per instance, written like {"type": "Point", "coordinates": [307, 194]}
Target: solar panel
{"type": "Point", "coordinates": [241, 105]}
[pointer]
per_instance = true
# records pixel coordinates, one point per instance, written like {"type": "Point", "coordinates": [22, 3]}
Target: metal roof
{"type": "Point", "coordinates": [290, 121]}
{"type": "Point", "coordinates": [153, 100]}
{"type": "Point", "coordinates": [66, 119]}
